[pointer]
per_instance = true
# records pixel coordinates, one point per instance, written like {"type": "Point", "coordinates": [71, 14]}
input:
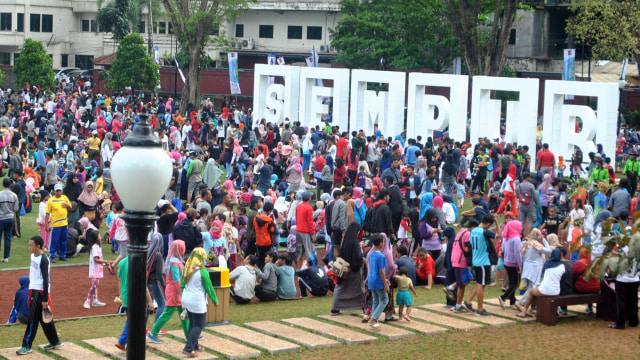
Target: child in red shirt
{"type": "Point", "coordinates": [425, 268]}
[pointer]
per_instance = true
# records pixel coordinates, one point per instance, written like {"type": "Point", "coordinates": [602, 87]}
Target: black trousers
{"type": "Point", "coordinates": [514, 280]}
{"type": "Point", "coordinates": [627, 302]}
{"type": "Point", "coordinates": [262, 254]}
{"type": "Point", "coordinates": [265, 295]}
{"type": "Point", "coordinates": [35, 318]}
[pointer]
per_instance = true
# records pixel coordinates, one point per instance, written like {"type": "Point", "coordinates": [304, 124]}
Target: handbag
{"type": "Point", "coordinates": [341, 268]}
{"type": "Point", "coordinates": [491, 250]}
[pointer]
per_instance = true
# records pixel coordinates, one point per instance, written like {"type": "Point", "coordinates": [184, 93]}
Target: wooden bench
{"type": "Point", "coordinates": [547, 306]}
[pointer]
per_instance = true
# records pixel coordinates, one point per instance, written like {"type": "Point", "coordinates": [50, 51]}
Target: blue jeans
{"type": "Point", "coordinates": [6, 227]}
{"type": "Point", "coordinates": [158, 296]}
{"type": "Point", "coordinates": [58, 237]}
{"type": "Point", "coordinates": [123, 337]}
{"type": "Point", "coordinates": [306, 160]}
{"type": "Point", "coordinates": [380, 301]}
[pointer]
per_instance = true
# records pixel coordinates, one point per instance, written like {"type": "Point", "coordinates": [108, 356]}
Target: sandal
{"type": "Point", "coordinates": [521, 315]}
{"type": "Point", "coordinates": [391, 319]}
{"type": "Point", "coordinates": [110, 267]}
{"type": "Point", "coordinates": [375, 326]}
{"type": "Point", "coordinates": [529, 314]}
{"type": "Point", "coordinates": [406, 317]}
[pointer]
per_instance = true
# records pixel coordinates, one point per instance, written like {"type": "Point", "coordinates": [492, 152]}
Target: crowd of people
{"type": "Point", "coordinates": [294, 211]}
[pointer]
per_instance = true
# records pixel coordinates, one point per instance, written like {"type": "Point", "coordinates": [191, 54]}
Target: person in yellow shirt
{"type": "Point", "coordinates": [58, 207]}
{"type": "Point", "coordinates": [94, 146]}
{"type": "Point", "coordinates": [99, 182]}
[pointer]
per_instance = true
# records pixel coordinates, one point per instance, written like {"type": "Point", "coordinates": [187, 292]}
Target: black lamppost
{"type": "Point", "coordinates": [141, 172]}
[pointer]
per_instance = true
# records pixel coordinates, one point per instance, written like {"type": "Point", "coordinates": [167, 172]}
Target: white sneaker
{"type": "Point", "coordinates": [5, 260]}
{"type": "Point", "coordinates": [98, 303]}
{"type": "Point", "coordinates": [87, 305]}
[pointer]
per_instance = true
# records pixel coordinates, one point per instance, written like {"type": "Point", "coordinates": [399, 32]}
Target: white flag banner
{"type": "Point", "coordinates": [315, 60]}
{"type": "Point", "coordinates": [280, 61]}
{"type": "Point", "coordinates": [156, 55]}
{"type": "Point", "coordinates": [271, 60]}
{"type": "Point", "coordinates": [184, 81]}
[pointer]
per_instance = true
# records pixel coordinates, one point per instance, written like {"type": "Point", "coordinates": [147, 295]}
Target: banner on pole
{"type": "Point", "coordinates": [233, 73]}
{"type": "Point", "coordinates": [271, 60]}
{"type": "Point", "coordinates": [569, 73]}
{"type": "Point", "coordinates": [184, 81]}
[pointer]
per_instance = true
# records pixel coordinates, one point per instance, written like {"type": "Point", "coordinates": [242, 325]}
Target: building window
{"type": "Point", "coordinates": [162, 27]}
{"type": "Point", "coordinates": [141, 27]}
{"type": "Point", "coordinates": [265, 32]}
{"type": "Point", "coordinates": [5, 58]}
{"type": "Point", "coordinates": [64, 60]}
{"type": "Point", "coordinates": [15, 57]}
{"type": "Point", "coordinates": [155, 27]}
{"type": "Point", "coordinates": [5, 21]}
{"type": "Point", "coordinates": [86, 25]}
{"type": "Point", "coordinates": [294, 32]}
{"type": "Point", "coordinates": [314, 32]}
{"type": "Point", "coordinates": [84, 62]}
{"type": "Point", "coordinates": [20, 27]}
{"type": "Point", "coordinates": [47, 23]}
{"type": "Point", "coordinates": [34, 22]}
{"type": "Point", "coordinates": [512, 37]}
{"type": "Point", "coordinates": [239, 30]}
{"type": "Point", "coordinates": [215, 30]}
{"type": "Point", "coordinates": [170, 28]}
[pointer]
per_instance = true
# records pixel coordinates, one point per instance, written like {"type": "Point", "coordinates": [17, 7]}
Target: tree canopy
{"type": "Point", "coordinates": [34, 66]}
{"type": "Point", "coordinates": [133, 67]}
{"type": "Point", "coordinates": [482, 28]}
{"type": "Point", "coordinates": [193, 22]}
{"type": "Point", "coordinates": [612, 27]}
{"type": "Point", "coordinates": [113, 18]}
{"type": "Point", "coordinates": [407, 34]}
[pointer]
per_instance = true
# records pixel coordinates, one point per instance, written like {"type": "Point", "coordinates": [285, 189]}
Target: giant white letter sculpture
{"type": "Point", "coordinates": [521, 122]}
{"type": "Point", "coordinates": [452, 112]}
{"type": "Point", "coordinates": [311, 106]}
{"type": "Point", "coordinates": [276, 102]}
{"type": "Point", "coordinates": [385, 108]}
{"type": "Point", "coordinates": [559, 127]}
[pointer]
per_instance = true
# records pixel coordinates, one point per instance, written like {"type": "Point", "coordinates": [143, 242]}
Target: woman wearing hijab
{"type": "Point", "coordinates": [436, 210]}
{"type": "Point", "coordinates": [88, 204]}
{"type": "Point", "coordinates": [512, 260]}
{"type": "Point", "coordinates": [107, 148]}
{"type": "Point", "coordinates": [449, 175]}
{"type": "Point", "coordinates": [155, 270]}
{"type": "Point", "coordinates": [544, 194]}
{"type": "Point", "coordinates": [533, 254]}
{"type": "Point", "coordinates": [385, 162]}
{"type": "Point", "coordinates": [426, 202]}
{"type": "Point", "coordinates": [196, 285]}
{"type": "Point", "coordinates": [72, 190]}
{"type": "Point", "coordinates": [509, 189]}
{"type": "Point", "coordinates": [550, 285]}
{"type": "Point", "coordinates": [294, 174]}
{"type": "Point", "coordinates": [327, 176]}
{"type": "Point", "coordinates": [348, 292]}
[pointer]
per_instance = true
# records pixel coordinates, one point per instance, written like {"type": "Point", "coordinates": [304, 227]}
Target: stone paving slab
{"type": "Point", "coordinates": [10, 353]}
{"type": "Point", "coordinates": [509, 313]}
{"type": "Point", "coordinates": [229, 349]}
{"type": "Point", "coordinates": [418, 326]}
{"type": "Point", "coordinates": [107, 346]}
{"type": "Point", "coordinates": [72, 351]}
{"type": "Point", "coordinates": [256, 339]}
{"type": "Point", "coordinates": [573, 308]}
{"type": "Point", "coordinates": [489, 320]}
{"type": "Point", "coordinates": [304, 338]}
{"type": "Point", "coordinates": [338, 332]}
{"type": "Point", "coordinates": [387, 331]}
{"type": "Point", "coordinates": [174, 348]}
{"type": "Point", "coordinates": [440, 319]}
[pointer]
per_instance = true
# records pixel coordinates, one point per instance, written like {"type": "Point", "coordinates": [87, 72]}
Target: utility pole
{"type": "Point", "coordinates": [150, 31]}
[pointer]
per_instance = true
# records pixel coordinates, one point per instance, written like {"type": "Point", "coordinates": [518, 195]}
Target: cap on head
{"type": "Point", "coordinates": [306, 196]}
{"type": "Point", "coordinates": [57, 187]}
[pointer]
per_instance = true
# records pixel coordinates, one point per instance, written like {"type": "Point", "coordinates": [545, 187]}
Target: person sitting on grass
{"type": "Point", "coordinates": [403, 297]}
{"type": "Point", "coordinates": [313, 278]}
{"type": "Point", "coordinates": [286, 278]}
{"type": "Point", "coordinates": [243, 289]}
{"type": "Point", "coordinates": [425, 267]}
{"type": "Point", "coordinates": [266, 291]}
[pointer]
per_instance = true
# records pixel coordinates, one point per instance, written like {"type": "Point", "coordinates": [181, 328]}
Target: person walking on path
{"type": "Point", "coordinates": [39, 299]}
{"type": "Point", "coordinates": [56, 222]}
{"type": "Point", "coordinates": [8, 207]}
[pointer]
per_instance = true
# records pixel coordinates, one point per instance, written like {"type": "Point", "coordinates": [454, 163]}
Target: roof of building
{"type": "Point", "coordinates": [104, 60]}
{"type": "Point", "coordinates": [609, 71]}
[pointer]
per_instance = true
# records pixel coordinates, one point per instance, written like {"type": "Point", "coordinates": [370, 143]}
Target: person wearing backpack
{"type": "Point", "coordinates": [528, 202]}
{"type": "Point", "coordinates": [509, 190]}
{"type": "Point", "coordinates": [481, 250]}
{"type": "Point", "coordinates": [264, 227]}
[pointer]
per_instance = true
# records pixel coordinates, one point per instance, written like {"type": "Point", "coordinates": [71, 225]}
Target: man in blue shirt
{"type": "Point", "coordinates": [410, 153]}
{"type": "Point", "coordinates": [478, 241]}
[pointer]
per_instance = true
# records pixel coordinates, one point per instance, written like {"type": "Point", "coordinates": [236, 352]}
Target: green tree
{"type": "Point", "coordinates": [113, 18]}
{"type": "Point", "coordinates": [193, 22]}
{"type": "Point", "coordinates": [408, 34]}
{"type": "Point", "coordinates": [612, 27]}
{"type": "Point", "coordinates": [2, 76]}
{"type": "Point", "coordinates": [482, 28]}
{"type": "Point", "coordinates": [34, 66]}
{"type": "Point", "coordinates": [133, 66]}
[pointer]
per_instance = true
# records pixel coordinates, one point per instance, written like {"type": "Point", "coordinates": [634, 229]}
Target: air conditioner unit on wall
{"type": "Point", "coordinates": [324, 48]}
{"type": "Point", "coordinates": [247, 44]}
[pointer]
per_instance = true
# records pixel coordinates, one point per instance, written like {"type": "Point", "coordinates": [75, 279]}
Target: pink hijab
{"type": "Point", "coordinates": [218, 234]}
{"type": "Point", "coordinates": [237, 148]}
{"type": "Point", "coordinates": [228, 185]}
{"type": "Point", "coordinates": [181, 216]}
{"type": "Point", "coordinates": [295, 163]}
{"type": "Point", "coordinates": [438, 202]}
{"type": "Point", "coordinates": [391, 268]}
{"type": "Point", "coordinates": [512, 229]}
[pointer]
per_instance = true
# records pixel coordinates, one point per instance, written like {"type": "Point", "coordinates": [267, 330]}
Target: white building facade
{"type": "Point", "coordinates": [65, 27]}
